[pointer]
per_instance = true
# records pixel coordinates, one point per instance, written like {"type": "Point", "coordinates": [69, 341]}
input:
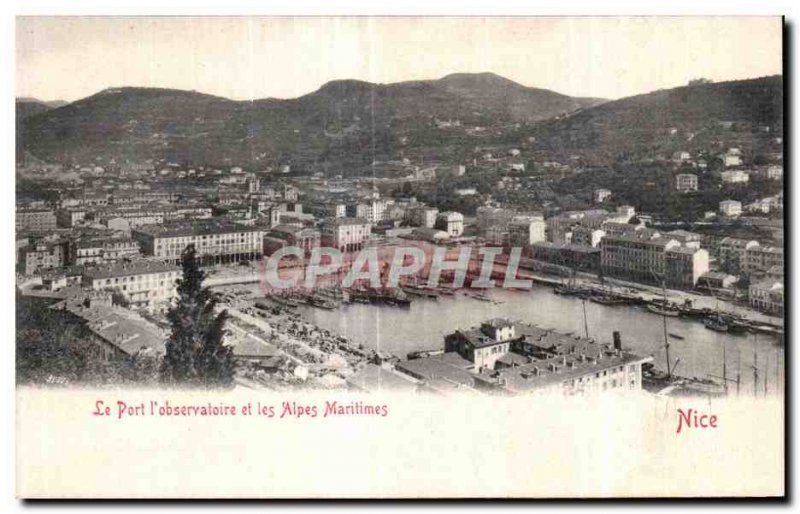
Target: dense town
{"type": "Point", "coordinates": [101, 244]}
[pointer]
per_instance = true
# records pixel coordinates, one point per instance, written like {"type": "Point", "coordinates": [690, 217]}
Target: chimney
{"type": "Point", "coordinates": [617, 340]}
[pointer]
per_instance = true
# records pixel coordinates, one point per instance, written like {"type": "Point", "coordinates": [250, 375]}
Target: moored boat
{"type": "Point", "coordinates": [715, 323]}
{"type": "Point", "coordinates": [663, 310]}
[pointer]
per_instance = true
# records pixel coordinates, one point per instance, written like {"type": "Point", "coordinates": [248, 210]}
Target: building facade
{"type": "Point", "coordinates": [216, 242]}
{"type": "Point", "coordinates": [143, 283]}
{"type": "Point", "coordinates": [450, 222]}
{"type": "Point", "coordinates": [346, 234]}
{"type": "Point", "coordinates": [35, 220]}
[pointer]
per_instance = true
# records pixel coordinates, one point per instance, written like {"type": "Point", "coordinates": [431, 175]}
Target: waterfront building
{"type": "Point", "coordinates": [482, 346]}
{"type": "Point", "coordinates": [577, 257]}
{"type": "Point", "coordinates": [647, 256]}
{"type": "Point", "coordinates": [716, 280]}
{"type": "Point", "coordinates": [526, 230]}
{"type": "Point", "coordinates": [346, 234]}
{"type": "Point", "coordinates": [767, 296]}
{"type": "Point", "coordinates": [444, 373]}
{"type": "Point", "coordinates": [587, 236]}
{"type": "Point", "coordinates": [216, 242]}
{"type": "Point", "coordinates": [519, 358]}
{"type": "Point", "coordinates": [732, 254]}
{"type": "Point", "coordinates": [759, 259]}
{"type": "Point", "coordinates": [685, 265]}
{"type": "Point", "coordinates": [638, 256]}
{"type": "Point", "coordinates": [291, 235]}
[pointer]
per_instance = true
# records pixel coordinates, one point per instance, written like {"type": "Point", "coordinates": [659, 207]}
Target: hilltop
{"type": "Point", "coordinates": [342, 120]}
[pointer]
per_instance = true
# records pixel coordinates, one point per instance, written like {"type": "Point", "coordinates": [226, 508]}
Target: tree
{"type": "Point", "coordinates": [195, 353]}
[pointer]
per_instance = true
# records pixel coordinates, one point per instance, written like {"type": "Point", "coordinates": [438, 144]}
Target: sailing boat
{"type": "Point", "coordinates": [716, 321]}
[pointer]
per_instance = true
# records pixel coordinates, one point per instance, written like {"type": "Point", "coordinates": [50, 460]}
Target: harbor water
{"type": "Point", "coordinates": [699, 353]}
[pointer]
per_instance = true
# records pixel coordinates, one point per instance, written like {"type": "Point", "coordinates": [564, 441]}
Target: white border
{"type": "Point", "coordinates": [309, 7]}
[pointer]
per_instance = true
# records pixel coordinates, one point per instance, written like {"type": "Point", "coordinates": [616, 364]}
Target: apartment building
{"type": "Point", "coordinates": [759, 259]}
{"type": "Point", "coordinates": [526, 230]}
{"type": "Point", "coordinates": [732, 254]}
{"type": "Point", "coordinates": [767, 296]}
{"type": "Point", "coordinates": [685, 265]}
{"type": "Point", "coordinates": [420, 215]}
{"type": "Point", "coordinates": [35, 220]}
{"type": "Point", "coordinates": [216, 242]}
{"type": "Point", "coordinates": [143, 283]}
{"type": "Point", "coordinates": [587, 236]}
{"type": "Point", "coordinates": [69, 217]}
{"type": "Point", "coordinates": [346, 234]}
{"type": "Point", "coordinates": [97, 250]}
{"type": "Point", "coordinates": [516, 358]}
{"type": "Point", "coordinates": [291, 235]}
{"type": "Point", "coordinates": [41, 256]}
{"type": "Point", "coordinates": [647, 256]}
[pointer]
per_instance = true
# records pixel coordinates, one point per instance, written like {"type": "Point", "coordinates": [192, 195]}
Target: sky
{"type": "Point", "coordinates": [68, 58]}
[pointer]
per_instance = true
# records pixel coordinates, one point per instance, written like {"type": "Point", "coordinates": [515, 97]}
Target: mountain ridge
{"type": "Point", "coordinates": [340, 118]}
{"type": "Point", "coordinates": [351, 123]}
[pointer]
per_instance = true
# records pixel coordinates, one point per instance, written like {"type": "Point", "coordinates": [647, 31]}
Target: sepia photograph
{"type": "Point", "coordinates": [395, 243]}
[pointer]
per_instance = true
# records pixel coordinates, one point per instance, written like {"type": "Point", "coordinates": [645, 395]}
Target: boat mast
{"type": "Point", "coordinates": [585, 322]}
{"type": "Point", "coordinates": [664, 319]}
{"type": "Point", "coordinates": [738, 370]}
{"type": "Point", "coordinates": [755, 365]}
{"type": "Point", "coordinates": [724, 368]}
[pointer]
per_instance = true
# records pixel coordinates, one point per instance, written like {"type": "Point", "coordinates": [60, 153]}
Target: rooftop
{"type": "Point", "coordinates": [376, 378]}
{"type": "Point", "coordinates": [120, 327]}
{"type": "Point", "coordinates": [120, 269]}
{"type": "Point", "coordinates": [197, 228]}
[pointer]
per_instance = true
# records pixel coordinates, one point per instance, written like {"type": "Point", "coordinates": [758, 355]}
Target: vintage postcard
{"type": "Point", "coordinates": [399, 257]}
